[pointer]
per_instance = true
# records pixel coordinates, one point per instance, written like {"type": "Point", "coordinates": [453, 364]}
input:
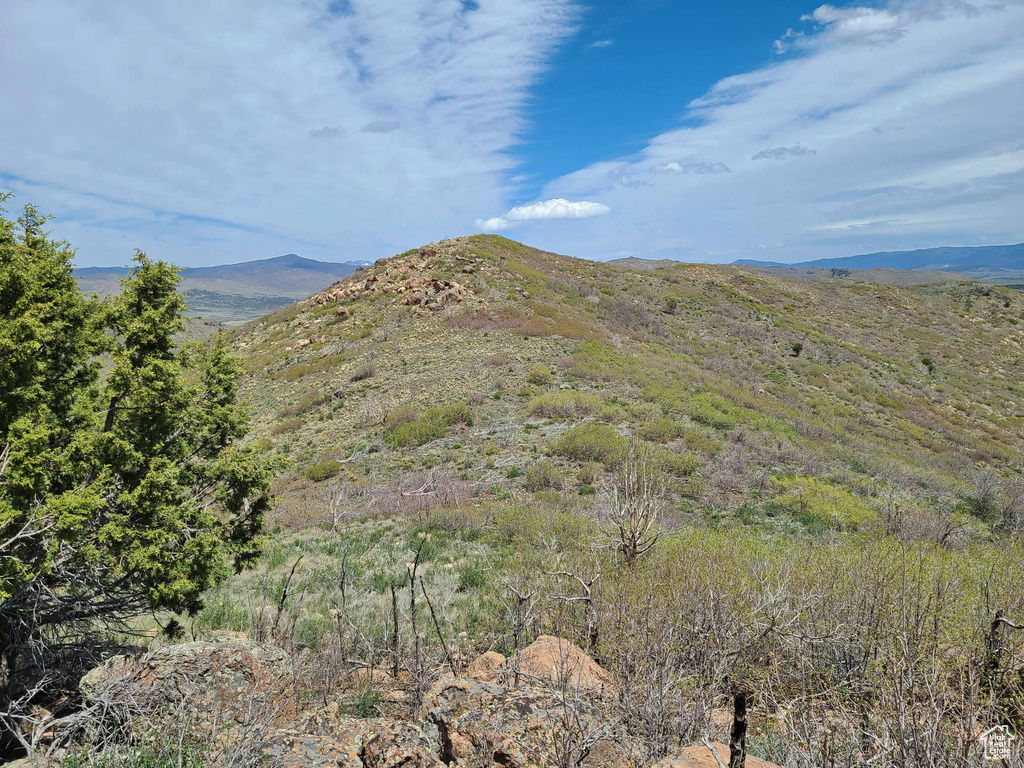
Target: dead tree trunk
{"type": "Point", "coordinates": [394, 633]}
{"type": "Point", "coordinates": [417, 645]}
{"type": "Point", "coordinates": [738, 734]}
{"type": "Point", "coordinates": [994, 658]}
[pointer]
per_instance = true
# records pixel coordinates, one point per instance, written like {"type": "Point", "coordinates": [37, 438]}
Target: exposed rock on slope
{"type": "Point", "coordinates": [228, 680]}
{"type": "Point", "coordinates": [238, 689]}
{"type": "Point", "coordinates": [372, 743]}
{"type": "Point", "coordinates": [564, 664]}
{"type": "Point", "coordinates": [484, 724]}
{"type": "Point", "coordinates": [413, 278]}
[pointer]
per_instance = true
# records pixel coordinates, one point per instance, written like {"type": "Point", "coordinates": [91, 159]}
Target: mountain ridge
{"type": "Point", "coordinates": [943, 259]}
{"type": "Point", "coordinates": [239, 291]}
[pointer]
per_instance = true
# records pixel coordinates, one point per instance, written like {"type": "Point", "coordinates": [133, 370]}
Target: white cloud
{"type": "Point", "coordinates": [860, 24]}
{"type": "Point", "coordinates": [558, 208]}
{"type": "Point", "coordinates": [914, 113]}
{"type": "Point", "coordinates": [327, 132]}
{"type": "Point", "coordinates": [209, 132]}
{"type": "Point", "coordinates": [381, 126]}
{"type": "Point", "coordinates": [697, 168]}
{"type": "Point", "coordinates": [781, 153]}
{"type": "Point", "coordinates": [600, 44]}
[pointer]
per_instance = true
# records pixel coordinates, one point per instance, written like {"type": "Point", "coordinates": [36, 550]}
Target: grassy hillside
{"type": "Point", "coordinates": [834, 468]}
{"type": "Point", "coordinates": [884, 391]}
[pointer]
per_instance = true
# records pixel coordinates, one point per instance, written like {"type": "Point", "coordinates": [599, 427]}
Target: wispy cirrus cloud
{"type": "Point", "coordinates": [545, 210]}
{"type": "Point", "coordinates": [891, 127]}
{"type": "Point", "coordinates": [781, 153]}
{"type": "Point", "coordinates": [698, 168]}
{"type": "Point", "coordinates": [275, 122]}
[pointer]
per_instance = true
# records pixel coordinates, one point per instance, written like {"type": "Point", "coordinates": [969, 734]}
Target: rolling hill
{"type": "Point", "coordinates": [740, 377]}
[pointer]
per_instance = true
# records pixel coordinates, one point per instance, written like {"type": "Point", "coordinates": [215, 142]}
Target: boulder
{"type": "Point", "coordinates": [699, 756]}
{"type": "Point", "coordinates": [486, 667]}
{"type": "Point", "coordinates": [562, 662]}
{"type": "Point", "coordinates": [372, 743]}
{"type": "Point", "coordinates": [480, 725]}
{"type": "Point", "coordinates": [230, 679]}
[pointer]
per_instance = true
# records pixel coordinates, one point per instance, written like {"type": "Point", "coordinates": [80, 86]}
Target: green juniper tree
{"type": "Point", "coordinates": [123, 484]}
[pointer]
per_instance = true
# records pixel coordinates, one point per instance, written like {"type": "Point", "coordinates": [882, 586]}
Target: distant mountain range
{"type": "Point", "coordinates": [983, 262]}
{"type": "Point", "coordinates": [236, 292]}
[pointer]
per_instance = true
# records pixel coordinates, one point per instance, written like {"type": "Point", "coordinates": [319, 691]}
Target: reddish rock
{"type": "Point", "coordinates": [486, 667]}
{"type": "Point", "coordinates": [352, 743]}
{"type": "Point", "coordinates": [562, 662]}
{"type": "Point", "coordinates": [235, 679]}
{"type": "Point", "coordinates": [480, 725]}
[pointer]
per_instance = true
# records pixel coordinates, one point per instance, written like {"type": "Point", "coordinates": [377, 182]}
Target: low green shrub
{"type": "Point", "coordinates": [323, 470]}
{"type": "Point", "coordinates": [814, 500]}
{"type": "Point", "coordinates": [366, 703]}
{"type": "Point", "coordinates": [591, 442]}
{"type": "Point", "coordinates": [471, 577]}
{"type": "Point", "coordinates": [312, 631]}
{"type": "Point", "coordinates": [434, 423]}
{"type": "Point", "coordinates": [540, 375]}
{"type": "Point", "coordinates": [288, 425]}
{"type": "Point", "coordinates": [543, 475]}
{"type": "Point", "coordinates": [661, 430]}
{"type": "Point", "coordinates": [567, 404]}
{"type": "Point", "coordinates": [589, 472]}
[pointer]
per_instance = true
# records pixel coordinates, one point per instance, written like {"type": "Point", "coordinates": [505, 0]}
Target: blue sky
{"type": "Point", "coordinates": [709, 131]}
{"type": "Point", "coordinates": [629, 71]}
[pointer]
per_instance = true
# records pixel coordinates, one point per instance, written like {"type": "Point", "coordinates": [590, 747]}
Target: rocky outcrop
{"type": "Point", "coordinates": [412, 278]}
{"type": "Point", "coordinates": [486, 668]}
{"type": "Point", "coordinates": [224, 680]}
{"type": "Point", "coordinates": [564, 664]}
{"type": "Point", "coordinates": [480, 725]}
{"type": "Point", "coordinates": [483, 724]}
{"type": "Point", "coordinates": [372, 743]}
{"type": "Point", "coordinates": [465, 723]}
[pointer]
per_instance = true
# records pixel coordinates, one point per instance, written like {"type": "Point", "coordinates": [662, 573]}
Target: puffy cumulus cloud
{"type": "Point", "coordinates": [781, 153]}
{"type": "Point", "coordinates": [559, 208]}
{"type": "Point", "coordinates": [697, 168]}
{"type": "Point", "coordinates": [917, 144]}
{"type": "Point", "coordinates": [231, 130]}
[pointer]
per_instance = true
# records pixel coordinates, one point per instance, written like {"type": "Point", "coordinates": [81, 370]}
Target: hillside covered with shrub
{"type": "Point", "coordinates": [821, 479]}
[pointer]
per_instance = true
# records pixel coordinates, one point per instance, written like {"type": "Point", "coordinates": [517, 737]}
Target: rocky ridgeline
{"type": "Point", "coordinates": [414, 279]}
{"type": "Point", "coordinates": [527, 711]}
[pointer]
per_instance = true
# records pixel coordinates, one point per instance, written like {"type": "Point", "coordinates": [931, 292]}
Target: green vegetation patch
{"type": "Point", "coordinates": [323, 470]}
{"type": "Point", "coordinates": [568, 404]}
{"type": "Point", "coordinates": [433, 424]}
{"type": "Point", "coordinates": [595, 442]}
{"type": "Point", "coordinates": [814, 500]}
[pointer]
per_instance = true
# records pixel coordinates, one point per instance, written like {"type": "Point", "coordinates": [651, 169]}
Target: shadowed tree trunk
{"type": "Point", "coordinates": [738, 734]}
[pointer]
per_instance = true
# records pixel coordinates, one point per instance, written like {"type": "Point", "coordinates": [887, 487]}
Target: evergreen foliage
{"type": "Point", "coordinates": [123, 485]}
